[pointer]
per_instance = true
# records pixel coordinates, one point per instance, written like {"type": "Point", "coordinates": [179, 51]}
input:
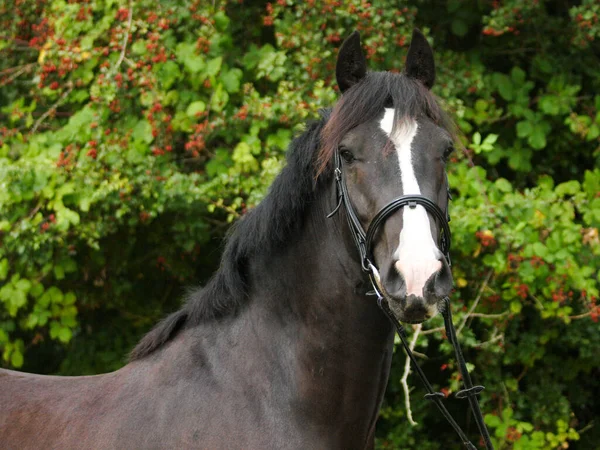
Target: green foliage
{"type": "Point", "coordinates": [130, 140]}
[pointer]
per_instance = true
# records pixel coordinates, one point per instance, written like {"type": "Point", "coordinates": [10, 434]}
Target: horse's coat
{"type": "Point", "coordinates": [282, 349]}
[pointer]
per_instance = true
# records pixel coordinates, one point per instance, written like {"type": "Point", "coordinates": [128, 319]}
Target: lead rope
{"type": "Point", "coordinates": [435, 397]}
{"type": "Point", "coordinates": [469, 392]}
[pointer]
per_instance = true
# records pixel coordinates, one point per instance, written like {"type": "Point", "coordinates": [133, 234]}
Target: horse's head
{"type": "Point", "coordinates": [393, 140]}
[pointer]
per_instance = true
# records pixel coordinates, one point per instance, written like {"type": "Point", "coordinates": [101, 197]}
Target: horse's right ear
{"type": "Point", "coordinates": [351, 64]}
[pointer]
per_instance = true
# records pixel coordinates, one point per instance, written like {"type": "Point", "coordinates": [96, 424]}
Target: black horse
{"type": "Point", "coordinates": [282, 349]}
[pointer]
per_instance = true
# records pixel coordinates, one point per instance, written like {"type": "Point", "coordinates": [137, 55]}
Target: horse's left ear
{"type": "Point", "coordinates": [351, 64]}
{"type": "Point", "coordinates": [419, 61]}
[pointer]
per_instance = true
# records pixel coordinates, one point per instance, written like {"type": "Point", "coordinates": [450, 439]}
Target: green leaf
{"type": "Point", "coordinates": [221, 21]}
{"type": "Point", "coordinates": [568, 188]}
{"type": "Point", "coordinates": [518, 75]}
{"type": "Point", "coordinates": [503, 185]}
{"type": "Point", "coordinates": [537, 138]}
{"type": "Point", "coordinates": [492, 420]}
{"type": "Point", "coordinates": [516, 306]}
{"type": "Point", "coordinates": [459, 27]}
{"type": "Point", "coordinates": [143, 131]}
{"type": "Point", "coordinates": [219, 99]}
{"type": "Point", "coordinates": [23, 285]}
{"type": "Point", "coordinates": [186, 54]}
{"type": "Point", "coordinates": [195, 108]}
{"type": "Point", "coordinates": [505, 87]}
{"type": "Point", "coordinates": [549, 104]}
{"type": "Point", "coordinates": [168, 74]}
{"type": "Point", "coordinates": [3, 268]}
{"type": "Point", "coordinates": [524, 128]}
{"type": "Point", "coordinates": [213, 67]}
{"type": "Point", "coordinates": [231, 80]}
{"type": "Point", "coordinates": [59, 272]}
{"type": "Point", "coordinates": [490, 139]}
{"type": "Point", "coordinates": [69, 298]}
{"type": "Point", "coordinates": [64, 334]}
{"type": "Point", "coordinates": [16, 358]}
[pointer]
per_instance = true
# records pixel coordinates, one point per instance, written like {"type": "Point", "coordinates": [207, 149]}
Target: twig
{"type": "Point", "coordinates": [23, 69]}
{"type": "Point", "coordinates": [432, 331]}
{"type": "Point", "coordinates": [11, 69]}
{"type": "Point", "coordinates": [587, 427]}
{"type": "Point", "coordinates": [403, 380]}
{"type": "Point", "coordinates": [491, 316]}
{"type": "Point", "coordinates": [58, 102]}
{"type": "Point", "coordinates": [581, 316]}
{"type": "Point", "coordinates": [125, 39]}
{"type": "Point", "coordinates": [537, 300]}
{"type": "Point", "coordinates": [496, 338]}
{"type": "Point", "coordinates": [476, 302]}
{"type": "Point", "coordinates": [420, 355]}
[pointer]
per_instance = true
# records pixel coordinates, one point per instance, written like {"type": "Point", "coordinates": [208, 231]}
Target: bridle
{"type": "Point", "coordinates": [364, 244]}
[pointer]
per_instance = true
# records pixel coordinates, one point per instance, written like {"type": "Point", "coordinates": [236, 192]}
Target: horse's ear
{"type": "Point", "coordinates": [419, 61]}
{"type": "Point", "coordinates": [351, 64]}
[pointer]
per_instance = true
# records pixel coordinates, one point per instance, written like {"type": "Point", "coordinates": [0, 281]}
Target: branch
{"type": "Point", "coordinates": [125, 39]}
{"type": "Point", "coordinates": [476, 302]}
{"type": "Point", "coordinates": [52, 109]}
{"type": "Point", "coordinates": [498, 337]}
{"type": "Point", "coordinates": [581, 316]}
{"type": "Point", "coordinates": [18, 72]}
{"type": "Point", "coordinates": [403, 380]}
{"type": "Point", "coordinates": [432, 330]}
{"type": "Point", "coordinates": [491, 316]}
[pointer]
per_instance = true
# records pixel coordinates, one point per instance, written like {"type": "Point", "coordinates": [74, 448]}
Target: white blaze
{"type": "Point", "coordinates": [417, 254]}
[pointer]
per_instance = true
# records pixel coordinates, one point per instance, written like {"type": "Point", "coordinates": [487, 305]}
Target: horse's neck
{"type": "Point", "coordinates": [305, 303]}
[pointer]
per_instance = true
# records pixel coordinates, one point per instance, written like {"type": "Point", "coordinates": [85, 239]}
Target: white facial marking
{"type": "Point", "coordinates": [417, 254]}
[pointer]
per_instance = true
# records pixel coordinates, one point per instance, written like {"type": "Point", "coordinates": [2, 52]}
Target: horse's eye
{"type": "Point", "coordinates": [347, 156]}
{"type": "Point", "coordinates": [447, 152]}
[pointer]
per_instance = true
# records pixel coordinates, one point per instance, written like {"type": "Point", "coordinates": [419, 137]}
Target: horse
{"type": "Point", "coordinates": [283, 348]}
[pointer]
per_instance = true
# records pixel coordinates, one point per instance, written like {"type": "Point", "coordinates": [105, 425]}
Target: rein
{"type": "Point", "coordinates": [364, 244]}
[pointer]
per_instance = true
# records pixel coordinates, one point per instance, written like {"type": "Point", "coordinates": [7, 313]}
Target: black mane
{"type": "Point", "coordinates": [262, 229]}
{"type": "Point", "coordinates": [281, 213]}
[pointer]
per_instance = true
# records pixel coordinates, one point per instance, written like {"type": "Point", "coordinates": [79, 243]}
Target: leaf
{"type": "Point", "coordinates": [221, 21]}
{"type": "Point", "coordinates": [213, 67]}
{"type": "Point", "coordinates": [505, 87]}
{"type": "Point", "coordinates": [64, 334]}
{"type": "Point", "coordinates": [168, 74]}
{"type": "Point", "coordinates": [524, 128]}
{"type": "Point", "coordinates": [3, 268]}
{"type": "Point", "coordinates": [16, 358]}
{"type": "Point", "coordinates": [549, 104]}
{"type": "Point", "coordinates": [568, 188]}
{"type": "Point", "coordinates": [231, 80]}
{"type": "Point", "coordinates": [537, 138]}
{"type": "Point", "coordinates": [518, 75]}
{"type": "Point", "coordinates": [459, 27]}
{"type": "Point", "coordinates": [492, 420]}
{"type": "Point", "coordinates": [59, 272]}
{"type": "Point", "coordinates": [23, 285]}
{"type": "Point", "coordinates": [503, 185]}
{"type": "Point", "coordinates": [219, 99]}
{"type": "Point", "coordinates": [143, 131]}
{"type": "Point", "coordinates": [516, 306]}
{"type": "Point", "coordinates": [477, 138]}
{"type": "Point", "coordinates": [69, 298]}
{"type": "Point", "coordinates": [186, 54]}
{"type": "Point", "coordinates": [195, 108]}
